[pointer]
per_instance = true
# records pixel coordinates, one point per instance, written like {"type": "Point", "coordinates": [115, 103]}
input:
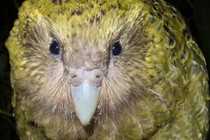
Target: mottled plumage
{"type": "Point", "coordinates": [140, 55]}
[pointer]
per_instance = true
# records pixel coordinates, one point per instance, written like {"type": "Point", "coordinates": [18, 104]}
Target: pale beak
{"type": "Point", "coordinates": [85, 99]}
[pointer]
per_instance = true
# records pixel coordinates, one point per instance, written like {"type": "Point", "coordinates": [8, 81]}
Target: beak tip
{"type": "Point", "coordinates": [84, 115]}
{"type": "Point", "coordinates": [85, 120]}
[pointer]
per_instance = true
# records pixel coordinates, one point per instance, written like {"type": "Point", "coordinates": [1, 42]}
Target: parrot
{"type": "Point", "coordinates": [106, 70]}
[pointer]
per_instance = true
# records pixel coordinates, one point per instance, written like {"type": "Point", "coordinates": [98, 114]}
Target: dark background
{"type": "Point", "coordinates": [195, 12]}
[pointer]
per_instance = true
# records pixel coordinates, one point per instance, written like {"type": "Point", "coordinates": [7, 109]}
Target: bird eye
{"type": "Point", "coordinates": [116, 49]}
{"type": "Point", "coordinates": [55, 48]}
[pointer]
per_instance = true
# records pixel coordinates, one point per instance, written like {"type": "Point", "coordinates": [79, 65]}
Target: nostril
{"type": "Point", "coordinates": [76, 76]}
{"type": "Point", "coordinates": [73, 76]}
{"type": "Point", "coordinates": [98, 76]}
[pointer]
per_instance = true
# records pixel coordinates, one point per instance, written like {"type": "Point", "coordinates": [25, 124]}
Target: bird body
{"type": "Point", "coordinates": [106, 70]}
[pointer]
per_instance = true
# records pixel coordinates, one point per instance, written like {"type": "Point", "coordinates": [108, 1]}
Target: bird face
{"type": "Point", "coordinates": [106, 70]}
{"type": "Point", "coordinates": [79, 63]}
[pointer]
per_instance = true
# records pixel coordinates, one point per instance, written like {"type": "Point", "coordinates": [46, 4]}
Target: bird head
{"type": "Point", "coordinates": [84, 58]}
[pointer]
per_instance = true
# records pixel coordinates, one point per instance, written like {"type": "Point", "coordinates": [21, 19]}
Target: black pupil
{"type": "Point", "coordinates": [55, 48]}
{"type": "Point", "coordinates": [116, 48]}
